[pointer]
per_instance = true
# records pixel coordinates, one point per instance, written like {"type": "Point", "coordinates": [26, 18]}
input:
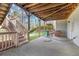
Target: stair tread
{"type": "Point", "coordinates": [23, 42]}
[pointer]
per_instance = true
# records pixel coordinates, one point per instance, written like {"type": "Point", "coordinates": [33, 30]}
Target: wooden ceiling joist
{"type": "Point", "coordinates": [1, 19]}
{"type": "Point", "coordinates": [36, 6]}
{"type": "Point", "coordinates": [62, 14]}
{"type": "Point", "coordinates": [30, 5]}
{"type": "Point", "coordinates": [3, 8]}
{"type": "Point", "coordinates": [43, 8]}
{"type": "Point", "coordinates": [2, 12]}
{"type": "Point", "coordinates": [49, 11]}
{"type": "Point", "coordinates": [5, 4]}
{"type": "Point", "coordinates": [1, 16]}
{"type": "Point", "coordinates": [56, 11]}
{"type": "Point", "coordinates": [22, 4]}
{"type": "Point", "coordinates": [45, 11]}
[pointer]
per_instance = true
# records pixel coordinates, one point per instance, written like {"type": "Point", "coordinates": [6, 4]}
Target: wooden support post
{"type": "Point", "coordinates": [39, 27]}
{"type": "Point", "coordinates": [28, 35]}
{"type": "Point", "coordinates": [44, 26]}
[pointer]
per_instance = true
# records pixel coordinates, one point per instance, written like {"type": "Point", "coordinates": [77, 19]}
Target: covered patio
{"type": "Point", "coordinates": [43, 47]}
{"type": "Point", "coordinates": [39, 29]}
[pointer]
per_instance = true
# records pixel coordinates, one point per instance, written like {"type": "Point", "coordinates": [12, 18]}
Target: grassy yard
{"type": "Point", "coordinates": [3, 30]}
{"type": "Point", "coordinates": [35, 35]}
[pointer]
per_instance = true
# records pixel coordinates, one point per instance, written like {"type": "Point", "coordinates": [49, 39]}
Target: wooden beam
{"type": "Point", "coordinates": [43, 8]}
{"type": "Point", "coordinates": [28, 35]}
{"type": "Point", "coordinates": [48, 11]}
{"type": "Point", "coordinates": [1, 16]}
{"type": "Point", "coordinates": [3, 8]}
{"type": "Point", "coordinates": [2, 12]}
{"type": "Point", "coordinates": [4, 4]}
{"type": "Point", "coordinates": [60, 15]}
{"type": "Point", "coordinates": [56, 11]}
{"type": "Point", "coordinates": [23, 4]}
{"type": "Point", "coordinates": [5, 13]}
{"type": "Point", "coordinates": [37, 6]}
{"type": "Point", "coordinates": [1, 19]}
{"type": "Point", "coordinates": [64, 13]}
{"type": "Point", "coordinates": [39, 27]}
{"type": "Point", "coordinates": [30, 5]}
{"type": "Point", "coordinates": [44, 13]}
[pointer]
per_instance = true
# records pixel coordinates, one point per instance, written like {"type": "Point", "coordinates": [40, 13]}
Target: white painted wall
{"type": "Point", "coordinates": [62, 26]}
{"type": "Point", "coordinates": [73, 26]}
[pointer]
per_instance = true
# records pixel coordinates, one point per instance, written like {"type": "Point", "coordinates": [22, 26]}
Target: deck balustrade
{"type": "Point", "coordinates": [8, 40]}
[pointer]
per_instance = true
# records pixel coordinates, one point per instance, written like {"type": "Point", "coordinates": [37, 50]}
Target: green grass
{"type": "Point", "coordinates": [3, 30]}
{"type": "Point", "coordinates": [35, 35]}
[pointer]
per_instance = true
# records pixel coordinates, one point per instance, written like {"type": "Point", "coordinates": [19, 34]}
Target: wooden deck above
{"type": "Point", "coordinates": [45, 11]}
{"type": "Point", "coordinates": [4, 8]}
{"type": "Point", "coordinates": [50, 11]}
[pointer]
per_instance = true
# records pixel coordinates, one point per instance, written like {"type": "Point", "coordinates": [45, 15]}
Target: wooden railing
{"type": "Point", "coordinates": [16, 26]}
{"type": "Point", "coordinates": [8, 40]}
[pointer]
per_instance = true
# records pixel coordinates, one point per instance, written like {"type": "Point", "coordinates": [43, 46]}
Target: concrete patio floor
{"type": "Point", "coordinates": [43, 47]}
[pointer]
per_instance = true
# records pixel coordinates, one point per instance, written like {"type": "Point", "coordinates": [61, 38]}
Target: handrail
{"type": "Point", "coordinates": [8, 25]}
{"type": "Point", "coordinates": [17, 30]}
{"type": "Point", "coordinates": [17, 25]}
{"type": "Point", "coordinates": [20, 28]}
{"type": "Point", "coordinates": [7, 33]}
{"type": "Point", "coordinates": [21, 24]}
